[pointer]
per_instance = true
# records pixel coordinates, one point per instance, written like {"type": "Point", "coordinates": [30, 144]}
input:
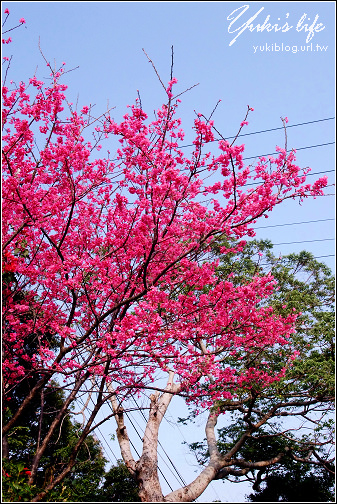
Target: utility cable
{"type": "Point", "coordinates": [140, 437]}
{"type": "Point", "coordinates": [294, 223]}
{"type": "Point", "coordinates": [282, 127]}
{"type": "Point", "coordinates": [304, 241]}
{"type": "Point", "coordinates": [174, 467]}
{"type": "Point", "coordinates": [265, 131]}
{"type": "Point", "coordinates": [101, 433]}
{"type": "Point", "coordinates": [297, 149]}
{"type": "Point", "coordinates": [316, 257]}
{"type": "Point", "coordinates": [158, 452]}
{"type": "Point", "coordinates": [133, 446]}
{"type": "Point", "coordinates": [308, 175]}
{"type": "Point", "coordinates": [185, 442]}
{"type": "Point", "coordinates": [320, 257]}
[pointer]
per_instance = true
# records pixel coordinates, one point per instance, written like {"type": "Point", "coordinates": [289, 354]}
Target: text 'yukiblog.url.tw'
{"type": "Point", "coordinates": [269, 48]}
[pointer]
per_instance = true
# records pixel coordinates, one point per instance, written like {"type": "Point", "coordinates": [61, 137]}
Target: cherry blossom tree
{"type": "Point", "coordinates": [109, 269]}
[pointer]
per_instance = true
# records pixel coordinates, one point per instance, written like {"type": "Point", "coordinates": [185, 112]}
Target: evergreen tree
{"type": "Point", "coordinates": [297, 466]}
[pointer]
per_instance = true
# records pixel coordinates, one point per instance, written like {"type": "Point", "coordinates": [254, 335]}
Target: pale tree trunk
{"type": "Point", "coordinates": [147, 465]}
{"type": "Point", "coordinates": [219, 465]}
{"type": "Point", "coordinates": [192, 491]}
{"type": "Point", "coordinates": [145, 470]}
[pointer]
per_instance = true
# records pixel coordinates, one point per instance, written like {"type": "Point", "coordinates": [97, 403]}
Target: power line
{"type": "Point", "coordinates": [194, 453]}
{"type": "Point", "coordinates": [100, 432]}
{"type": "Point", "coordinates": [329, 255]}
{"type": "Point", "coordinates": [102, 435]}
{"type": "Point", "coordinates": [159, 443]}
{"type": "Point", "coordinates": [133, 446]}
{"type": "Point", "coordinates": [294, 223]}
{"type": "Point", "coordinates": [308, 175]}
{"type": "Point", "coordinates": [305, 241]}
{"type": "Point", "coordinates": [297, 149]}
{"type": "Point", "coordinates": [288, 126]}
{"type": "Point", "coordinates": [266, 131]}
{"type": "Point", "coordinates": [140, 437]}
{"type": "Point", "coordinates": [319, 173]}
{"type": "Point", "coordinates": [316, 257]}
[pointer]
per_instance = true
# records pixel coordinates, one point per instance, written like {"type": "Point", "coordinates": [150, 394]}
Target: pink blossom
{"type": "Point", "coordinates": [127, 235]}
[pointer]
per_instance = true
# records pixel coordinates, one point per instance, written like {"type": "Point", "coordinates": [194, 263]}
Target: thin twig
{"type": "Point", "coordinates": [285, 134]}
{"type": "Point", "coordinates": [188, 89]}
{"type": "Point", "coordinates": [9, 64]}
{"type": "Point", "coordinates": [213, 111]}
{"type": "Point", "coordinates": [154, 68]}
{"type": "Point", "coordinates": [140, 100]}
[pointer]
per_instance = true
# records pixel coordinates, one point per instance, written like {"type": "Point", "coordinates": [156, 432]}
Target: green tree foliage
{"type": "Point", "coordinates": [81, 485]}
{"type": "Point", "coordinates": [295, 482]}
{"type": "Point", "coordinates": [306, 286]}
{"type": "Point", "coordinates": [88, 482]}
{"type": "Point", "coordinates": [118, 486]}
{"type": "Point", "coordinates": [285, 432]}
{"type": "Point", "coordinates": [21, 443]}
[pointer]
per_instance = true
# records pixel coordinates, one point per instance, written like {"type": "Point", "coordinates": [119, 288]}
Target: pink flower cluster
{"type": "Point", "coordinates": [113, 258]}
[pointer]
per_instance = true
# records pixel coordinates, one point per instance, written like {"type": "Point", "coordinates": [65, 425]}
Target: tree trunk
{"type": "Point", "coordinates": [147, 466]}
{"type": "Point", "coordinates": [148, 481]}
{"type": "Point", "coordinates": [5, 447]}
{"type": "Point", "coordinates": [145, 471]}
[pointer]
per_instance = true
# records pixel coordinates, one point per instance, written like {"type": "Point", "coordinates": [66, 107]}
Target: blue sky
{"type": "Point", "coordinates": [282, 73]}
